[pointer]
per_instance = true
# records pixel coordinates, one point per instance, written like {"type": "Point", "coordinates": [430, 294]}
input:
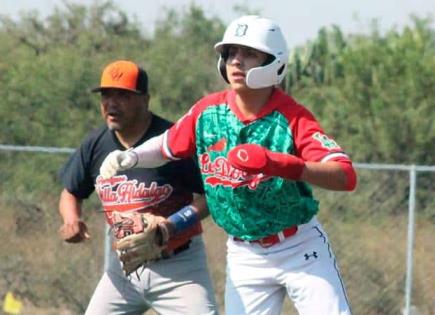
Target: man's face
{"type": "Point", "coordinates": [123, 109]}
{"type": "Point", "coordinates": [239, 60]}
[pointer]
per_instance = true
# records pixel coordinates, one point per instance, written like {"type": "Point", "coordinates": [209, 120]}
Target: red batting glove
{"type": "Point", "coordinates": [254, 159]}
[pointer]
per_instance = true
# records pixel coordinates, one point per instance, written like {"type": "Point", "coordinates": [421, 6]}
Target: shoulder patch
{"type": "Point", "coordinates": [325, 141]}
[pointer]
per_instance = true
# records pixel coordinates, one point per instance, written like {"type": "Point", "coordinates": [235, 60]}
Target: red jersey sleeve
{"type": "Point", "coordinates": [311, 142]}
{"type": "Point", "coordinates": [179, 140]}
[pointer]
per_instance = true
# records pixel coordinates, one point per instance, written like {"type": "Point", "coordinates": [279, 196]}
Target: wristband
{"type": "Point", "coordinates": [184, 218]}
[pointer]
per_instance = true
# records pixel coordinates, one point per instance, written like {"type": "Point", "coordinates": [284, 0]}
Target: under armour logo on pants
{"type": "Point", "coordinates": [307, 256]}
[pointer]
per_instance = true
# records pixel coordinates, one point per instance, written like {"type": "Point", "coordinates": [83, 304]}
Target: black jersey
{"type": "Point", "coordinates": [162, 190]}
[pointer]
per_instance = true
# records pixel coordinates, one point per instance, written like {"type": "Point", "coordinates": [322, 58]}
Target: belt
{"type": "Point", "coordinates": [271, 240]}
{"type": "Point", "coordinates": [170, 253]}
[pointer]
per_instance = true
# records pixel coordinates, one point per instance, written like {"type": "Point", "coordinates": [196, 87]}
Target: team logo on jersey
{"type": "Point", "coordinates": [241, 30]}
{"type": "Point", "coordinates": [219, 172]}
{"type": "Point", "coordinates": [120, 194]}
{"type": "Point", "coordinates": [325, 141]}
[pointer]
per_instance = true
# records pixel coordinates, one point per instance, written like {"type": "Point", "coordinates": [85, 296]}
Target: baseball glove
{"type": "Point", "coordinates": [140, 237]}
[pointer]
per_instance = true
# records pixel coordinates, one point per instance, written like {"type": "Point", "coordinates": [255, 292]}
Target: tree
{"type": "Point", "coordinates": [374, 93]}
{"type": "Point", "coordinates": [182, 62]}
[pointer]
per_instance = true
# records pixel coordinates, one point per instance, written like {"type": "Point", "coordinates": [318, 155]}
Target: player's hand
{"type": "Point", "coordinates": [117, 161]}
{"type": "Point", "coordinates": [140, 237]}
{"type": "Point", "coordinates": [250, 158]}
{"type": "Point", "coordinates": [255, 159]}
{"type": "Point", "coordinates": [75, 232]}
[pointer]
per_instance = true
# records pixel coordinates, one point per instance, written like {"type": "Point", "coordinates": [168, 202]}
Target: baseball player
{"type": "Point", "coordinates": [177, 280]}
{"type": "Point", "coordinates": [259, 151]}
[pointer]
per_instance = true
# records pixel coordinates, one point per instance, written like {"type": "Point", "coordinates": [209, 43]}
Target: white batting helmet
{"type": "Point", "coordinates": [264, 35]}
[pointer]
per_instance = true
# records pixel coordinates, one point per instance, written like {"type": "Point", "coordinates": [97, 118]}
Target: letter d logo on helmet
{"type": "Point", "coordinates": [264, 35]}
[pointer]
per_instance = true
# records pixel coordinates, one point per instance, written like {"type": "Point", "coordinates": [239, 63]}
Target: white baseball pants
{"type": "Point", "coordinates": [302, 266]}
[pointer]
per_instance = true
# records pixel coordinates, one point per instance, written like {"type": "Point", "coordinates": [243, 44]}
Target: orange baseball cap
{"type": "Point", "coordinates": [125, 75]}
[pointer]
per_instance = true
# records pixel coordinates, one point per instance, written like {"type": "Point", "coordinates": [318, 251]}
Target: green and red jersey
{"type": "Point", "coordinates": [251, 206]}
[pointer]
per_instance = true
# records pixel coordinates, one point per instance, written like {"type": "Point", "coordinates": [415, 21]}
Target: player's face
{"type": "Point", "coordinates": [241, 59]}
{"type": "Point", "coordinates": [122, 109]}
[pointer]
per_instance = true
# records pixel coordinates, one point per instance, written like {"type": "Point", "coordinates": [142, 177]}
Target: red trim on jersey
{"type": "Point", "coordinates": [272, 104]}
{"type": "Point", "coordinates": [132, 206]}
{"type": "Point", "coordinates": [164, 150]}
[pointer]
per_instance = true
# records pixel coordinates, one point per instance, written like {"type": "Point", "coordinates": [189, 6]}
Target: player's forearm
{"type": "Point", "coordinates": [149, 154]}
{"type": "Point", "coordinates": [70, 207]}
{"type": "Point", "coordinates": [331, 175]}
{"type": "Point", "coordinates": [200, 204]}
{"type": "Point", "coordinates": [254, 159]}
{"type": "Point", "coordinates": [73, 230]}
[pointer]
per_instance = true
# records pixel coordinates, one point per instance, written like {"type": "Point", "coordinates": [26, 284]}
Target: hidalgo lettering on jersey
{"type": "Point", "coordinates": [120, 194]}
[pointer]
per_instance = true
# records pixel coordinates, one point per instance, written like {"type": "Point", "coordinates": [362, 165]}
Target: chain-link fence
{"type": "Point", "coordinates": [382, 235]}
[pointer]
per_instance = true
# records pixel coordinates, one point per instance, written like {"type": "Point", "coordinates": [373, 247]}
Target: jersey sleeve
{"type": "Point", "coordinates": [180, 141]}
{"type": "Point", "coordinates": [75, 174]}
{"type": "Point", "coordinates": [311, 142]}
